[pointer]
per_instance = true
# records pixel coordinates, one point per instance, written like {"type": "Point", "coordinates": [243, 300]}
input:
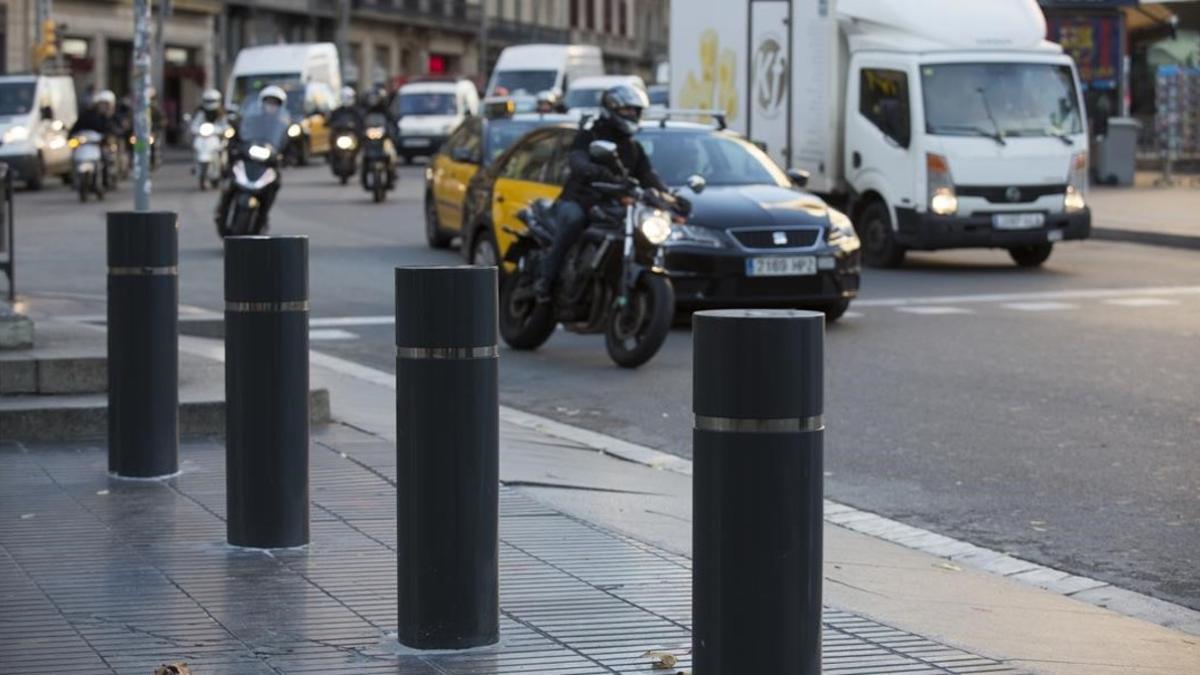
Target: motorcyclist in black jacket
{"type": "Point", "coordinates": [98, 117]}
{"type": "Point", "coordinates": [375, 106]}
{"type": "Point", "coordinates": [347, 115]}
{"type": "Point", "coordinates": [620, 113]}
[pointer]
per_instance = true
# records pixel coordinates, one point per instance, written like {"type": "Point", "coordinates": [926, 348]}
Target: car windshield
{"type": "Point", "coordinates": [425, 104]}
{"type": "Point", "coordinates": [1000, 99]}
{"type": "Point", "coordinates": [583, 98]}
{"type": "Point", "coordinates": [503, 133]}
{"type": "Point", "coordinates": [523, 82]}
{"type": "Point", "coordinates": [247, 86]}
{"type": "Point", "coordinates": [16, 98]}
{"type": "Point", "coordinates": [722, 159]}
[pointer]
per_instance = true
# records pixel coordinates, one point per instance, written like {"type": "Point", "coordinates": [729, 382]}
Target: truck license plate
{"type": "Point", "coordinates": [781, 266]}
{"type": "Point", "coordinates": [1018, 221]}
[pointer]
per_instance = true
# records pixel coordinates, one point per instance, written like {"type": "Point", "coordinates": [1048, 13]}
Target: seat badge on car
{"type": "Point", "coordinates": [779, 238]}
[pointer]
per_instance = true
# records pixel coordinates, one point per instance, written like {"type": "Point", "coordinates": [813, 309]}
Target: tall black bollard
{"type": "Point", "coordinates": [447, 457]}
{"type": "Point", "coordinates": [266, 391]}
{"type": "Point", "coordinates": [757, 397]}
{"type": "Point", "coordinates": [143, 344]}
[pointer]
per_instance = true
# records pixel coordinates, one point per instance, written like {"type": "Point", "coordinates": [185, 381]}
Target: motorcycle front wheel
{"type": "Point", "coordinates": [83, 189]}
{"type": "Point", "coordinates": [636, 332]}
{"type": "Point", "coordinates": [524, 324]}
{"type": "Point", "coordinates": [379, 189]}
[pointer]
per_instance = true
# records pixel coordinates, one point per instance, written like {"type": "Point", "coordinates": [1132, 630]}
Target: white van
{"type": "Point", "coordinates": [310, 74]}
{"type": "Point", "coordinates": [585, 92]}
{"type": "Point", "coordinates": [36, 112]}
{"type": "Point", "coordinates": [524, 71]}
{"type": "Point", "coordinates": [429, 112]}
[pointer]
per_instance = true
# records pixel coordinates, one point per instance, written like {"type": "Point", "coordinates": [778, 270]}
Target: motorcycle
{"type": "Point", "coordinates": [343, 157]}
{"type": "Point", "coordinates": [208, 143]}
{"type": "Point", "coordinates": [612, 281]}
{"type": "Point", "coordinates": [379, 158]}
{"type": "Point", "coordinates": [87, 164]}
{"type": "Point", "coordinates": [254, 175]}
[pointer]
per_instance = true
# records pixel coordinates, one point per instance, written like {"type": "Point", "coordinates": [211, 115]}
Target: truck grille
{"type": "Point", "coordinates": [1001, 195]}
{"type": "Point", "coordinates": [765, 238]}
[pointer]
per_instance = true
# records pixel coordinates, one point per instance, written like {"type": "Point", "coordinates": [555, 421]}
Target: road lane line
{"type": "Point", "coordinates": [932, 310]}
{"type": "Point", "coordinates": [341, 321]}
{"type": "Point", "coordinates": [1077, 294]}
{"type": "Point", "coordinates": [1048, 306]}
{"type": "Point", "coordinates": [331, 334]}
{"type": "Point", "coordinates": [1141, 302]}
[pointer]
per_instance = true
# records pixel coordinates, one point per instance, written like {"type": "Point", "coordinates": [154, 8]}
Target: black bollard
{"type": "Point", "coordinates": [757, 491]}
{"type": "Point", "coordinates": [447, 457]}
{"type": "Point", "coordinates": [266, 391]}
{"type": "Point", "coordinates": [143, 344]}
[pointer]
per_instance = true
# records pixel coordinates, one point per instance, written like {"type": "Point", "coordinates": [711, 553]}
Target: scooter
{"type": "Point", "coordinates": [87, 164]}
{"type": "Point", "coordinates": [208, 143]}
{"type": "Point", "coordinates": [254, 176]}
{"type": "Point", "coordinates": [343, 157]}
{"type": "Point", "coordinates": [379, 159]}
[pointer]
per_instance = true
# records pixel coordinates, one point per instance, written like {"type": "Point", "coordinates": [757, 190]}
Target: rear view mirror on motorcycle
{"type": "Point", "coordinates": [696, 183]}
{"type": "Point", "coordinates": [602, 151]}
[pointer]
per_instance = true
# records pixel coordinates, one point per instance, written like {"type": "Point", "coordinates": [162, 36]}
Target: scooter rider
{"type": "Point", "coordinates": [210, 109]}
{"type": "Point", "coordinates": [99, 115]}
{"type": "Point", "coordinates": [270, 102]}
{"type": "Point", "coordinates": [347, 115]}
{"type": "Point", "coordinates": [375, 103]}
{"type": "Point", "coordinates": [620, 112]}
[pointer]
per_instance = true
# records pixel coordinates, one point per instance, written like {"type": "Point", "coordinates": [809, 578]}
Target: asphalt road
{"type": "Point", "coordinates": [1049, 413]}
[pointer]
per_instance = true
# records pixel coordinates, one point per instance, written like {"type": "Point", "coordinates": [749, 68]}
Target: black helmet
{"type": "Point", "coordinates": [622, 106]}
{"type": "Point", "coordinates": [373, 97]}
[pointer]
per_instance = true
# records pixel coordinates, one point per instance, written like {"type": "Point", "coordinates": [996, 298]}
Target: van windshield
{"type": "Point", "coordinates": [523, 82]}
{"type": "Point", "coordinates": [248, 86]}
{"type": "Point", "coordinates": [16, 98]}
{"type": "Point", "coordinates": [425, 104]}
{"type": "Point", "coordinates": [583, 98]}
{"type": "Point", "coordinates": [1000, 99]}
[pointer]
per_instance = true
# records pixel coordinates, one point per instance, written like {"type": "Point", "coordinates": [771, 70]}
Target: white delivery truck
{"type": "Point", "coordinates": [943, 123]}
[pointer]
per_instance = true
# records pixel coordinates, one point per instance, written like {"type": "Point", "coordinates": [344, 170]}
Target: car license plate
{"type": "Point", "coordinates": [1018, 221]}
{"type": "Point", "coordinates": [415, 142]}
{"type": "Point", "coordinates": [782, 266]}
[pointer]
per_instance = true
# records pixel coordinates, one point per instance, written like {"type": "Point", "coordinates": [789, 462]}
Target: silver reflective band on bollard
{"type": "Point", "coordinates": [266, 391]}
{"type": "Point", "coordinates": [757, 491]}
{"type": "Point", "coordinates": [143, 344]}
{"type": "Point", "coordinates": [447, 457]}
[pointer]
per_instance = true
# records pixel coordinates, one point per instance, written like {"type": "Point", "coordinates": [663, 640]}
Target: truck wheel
{"type": "Point", "coordinates": [880, 248]}
{"type": "Point", "coordinates": [1031, 256]}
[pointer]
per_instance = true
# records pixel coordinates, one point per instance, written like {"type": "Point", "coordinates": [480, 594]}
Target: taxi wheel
{"type": "Point", "coordinates": [880, 248]}
{"type": "Point", "coordinates": [433, 230]}
{"type": "Point", "coordinates": [302, 152]}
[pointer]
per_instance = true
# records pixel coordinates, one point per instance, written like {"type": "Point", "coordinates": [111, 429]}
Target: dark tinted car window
{"type": "Point", "coordinates": [722, 159]}
{"type": "Point", "coordinates": [557, 173]}
{"type": "Point", "coordinates": [530, 159]}
{"type": "Point", "coordinates": [466, 136]}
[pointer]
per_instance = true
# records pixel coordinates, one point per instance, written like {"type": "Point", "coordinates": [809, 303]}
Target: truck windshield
{"type": "Point", "coordinates": [583, 98]}
{"type": "Point", "coordinates": [248, 86]}
{"type": "Point", "coordinates": [425, 104]}
{"type": "Point", "coordinates": [16, 98]}
{"type": "Point", "coordinates": [1000, 99]}
{"type": "Point", "coordinates": [523, 82]}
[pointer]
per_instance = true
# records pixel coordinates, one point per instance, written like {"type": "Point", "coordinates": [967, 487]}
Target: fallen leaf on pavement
{"type": "Point", "coordinates": [660, 659]}
{"type": "Point", "coordinates": [179, 668]}
{"type": "Point", "coordinates": [950, 566]}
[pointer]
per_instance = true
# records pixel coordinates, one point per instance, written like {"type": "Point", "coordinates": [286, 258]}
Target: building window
{"type": "Point", "coordinates": [75, 48]}
{"type": "Point", "coordinates": [589, 14]}
{"type": "Point", "coordinates": [573, 13]}
{"type": "Point", "coordinates": [176, 56]}
{"type": "Point", "coordinates": [608, 16]}
{"type": "Point", "coordinates": [623, 18]}
{"type": "Point", "coordinates": [383, 64]}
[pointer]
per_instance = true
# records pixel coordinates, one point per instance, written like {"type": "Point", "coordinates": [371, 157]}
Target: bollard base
{"type": "Point", "coordinates": [146, 479]}
{"type": "Point", "coordinates": [392, 644]}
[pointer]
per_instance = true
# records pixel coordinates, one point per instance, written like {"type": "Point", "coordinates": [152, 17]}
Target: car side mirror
{"type": "Point", "coordinates": [460, 154]}
{"type": "Point", "coordinates": [799, 177]}
{"type": "Point", "coordinates": [46, 113]}
{"type": "Point", "coordinates": [696, 183]}
{"type": "Point", "coordinates": [602, 151]}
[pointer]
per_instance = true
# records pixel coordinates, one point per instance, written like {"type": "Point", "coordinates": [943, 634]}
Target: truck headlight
{"type": "Point", "coordinates": [294, 130]}
{"type": "Point", "coordinates": [1077, 178]}
{"type": "Point", "coordinates": [16, 134]}
{"type": "Point", "coordinates": [655, 228]}
{"type": "Point", "coordinates": [942, 199]}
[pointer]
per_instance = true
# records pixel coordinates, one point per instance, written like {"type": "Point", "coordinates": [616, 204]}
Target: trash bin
{"type": "Point", "coordinates": [1116, 152]}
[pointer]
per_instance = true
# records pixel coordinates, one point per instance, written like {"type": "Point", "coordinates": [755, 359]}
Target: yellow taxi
{"type": "Point", "coordinates": [453, 169]}
{"type": "Point", "coordinates": [309, 107]}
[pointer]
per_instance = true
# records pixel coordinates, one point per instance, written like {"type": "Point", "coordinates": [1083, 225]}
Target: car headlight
{"type": "Point", "coordinates": [259, 152]}
{"type": "Point", "coordinates": [695, 235]}
{"type": "Point", "coordinates": [655, 228]}
{"type": "Point", "coordinates": [206, 129]}
{"type": "Point", "coordinates": [230, 132]}
{"type": "Point", "coordinates": [294, 130]}
{"type": "Point", "coordinates": [1076, 183]}
{"type": "Point", "coordinates": [345, 142]}
{"type": "Point", "coordinates": [16, 134]}
{"type": "Point", "coordinates": [375, 133]}
{"type": "Point", "coordinates": [942, 199]}
{"type": "Point", "coordinates": [841, 231]}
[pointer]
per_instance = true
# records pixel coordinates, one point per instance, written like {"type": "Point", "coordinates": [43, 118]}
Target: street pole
{"type": "Point", "coordinates": [159, 64]}
{"type": "Point", "coordinates": [483, 39]}
{"type": "Point", "coordinates": [343, 37]}
{"type": "Point", "coordinates": [141, 107]}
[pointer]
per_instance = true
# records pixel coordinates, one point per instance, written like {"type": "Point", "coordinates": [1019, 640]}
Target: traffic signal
{"type": "Point", "coordinates": [47, 45]}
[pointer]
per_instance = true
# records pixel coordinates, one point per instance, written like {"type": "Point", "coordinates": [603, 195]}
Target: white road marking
{"type": "Point", "coordinates": [1077, 294]}
{"type": "Point", "coordinates": [852, 315]}
{"type": "Point", "coordinates": [331, 334]}
{"type": "Point", "coordinates": [932, 310]}
{"type": "Point", "coordinates": [336, 321]}
{"type": "Point", "coordinates": [1039, 306]}
{"type": "Point", "coordinates": [1141, 302]}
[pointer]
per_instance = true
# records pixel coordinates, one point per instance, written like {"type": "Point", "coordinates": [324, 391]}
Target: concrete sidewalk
{"type": "Point", "coordinates": [1146, 213]}
{"type": "Point", "coordinates": [596, 535]}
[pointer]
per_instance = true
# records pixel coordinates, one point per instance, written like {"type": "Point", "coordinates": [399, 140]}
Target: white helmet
{"type": "Point", "coordinates": [210, 100]}
{"type": "Point", "coordinates": [348, 96]}
{"type": "Point", "coordinates": [105, 96]}
{"type": "Point", "coordinates": [274, 92]}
